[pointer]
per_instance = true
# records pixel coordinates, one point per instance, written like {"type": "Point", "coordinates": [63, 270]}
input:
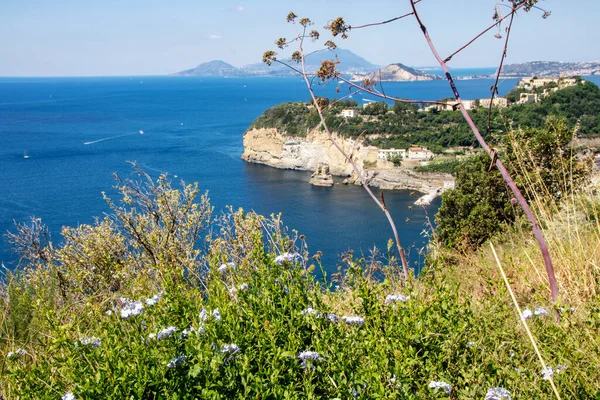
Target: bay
{"type": "Point", "coordinates": [77, 132]}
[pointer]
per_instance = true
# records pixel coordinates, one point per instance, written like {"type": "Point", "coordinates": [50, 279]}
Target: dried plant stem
{"type": "Point", "coordinates": [523, 321]}
{"type": "Point", "coordinates": [354, 165]}
{"type": "Point", "coordinates": [492, 153]}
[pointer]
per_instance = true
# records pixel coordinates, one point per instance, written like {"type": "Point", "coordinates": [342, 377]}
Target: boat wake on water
{"type": "Point", "coordinates": [111, 138]}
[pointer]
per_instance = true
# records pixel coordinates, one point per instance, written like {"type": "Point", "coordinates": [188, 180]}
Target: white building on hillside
{"type": "Point", "coordinates": [419, 153]}
{"type": "Point", "coordinates": [349, 113]}
{"type": "Point", "coordinates": [386, 154]}
{"type": "Point", "coordinates": [499, 102]}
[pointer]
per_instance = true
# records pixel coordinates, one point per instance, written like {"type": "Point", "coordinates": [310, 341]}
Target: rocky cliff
{"type": "Point", "coordinates": [396, 73]}
{"type": "Point", "coordinates": [268, 146]}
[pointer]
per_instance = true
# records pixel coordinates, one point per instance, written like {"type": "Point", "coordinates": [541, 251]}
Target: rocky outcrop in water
{"type": "Point", "coordinates": [321, 176]}
{"type": "Point", "coordinates": [268, 146]}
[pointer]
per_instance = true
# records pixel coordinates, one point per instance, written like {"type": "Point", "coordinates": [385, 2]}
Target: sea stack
{"type": "Point", "coordinates": [322, 176]}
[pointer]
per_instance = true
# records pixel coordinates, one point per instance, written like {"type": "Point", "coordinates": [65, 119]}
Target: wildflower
{"type": "Point", "coordinates": [151, 336]}
{"type": "Point", "coordinates": [286, 257]}
{"type": "Point", "coordinates": [166, 333]}
{"type": "Point", "coordinates": [470, 344]}
{"type": "Point", "coordinates": [203, 315]}
{"type": "Point", "coordinates": [540, 311]}
{"type": "Point", "coordinates": [232, 292]}
{"type": "Point", "coordinates": [176, 361]}
{"type": "Point", "coordinates": [395, 298]}
{"type": "Point", "coordinates": [68, 396]}
{"type": "Point", "coordinates": [185, 333]}
{"type": "Point", "coordinates": [441, 385]}
{"type": "Point", "coordinates": [154, 299]}
{"type": "Point", "coordinates": [497, 393]}
{"type": "Point", "coordinates": [132, 309]}
{"type": "Point", "coordinates": [570, 310]}
{"type": "Point", "coordinates": [230, 348]}
{"type": "Point", "coordinates": [332, 318]}
{"type": "Point", "coordinates": [216, 314]}
{"type": "Point", "coordinates": [109, 313]}
{"type": "Point", "coordinates": [16, 354]}
{"type": "Point", "coordinates": [359, 321]}
{"type": "Point", "coordinates": [244, 286]}
{"type": "Point", "coordinates": [92, 342]}
{"type": "Point", "coordinates": [527, 313]}
{"type": "Point", "coordinates": [222, 269]}
{"type": "Point", "coordinates": [231, 265]}
{"type": "Point", "coordinates": [309, 311]}
{"type": "Point", "coordinates": [547, 373]}
{"type": "Point", "coordinates": [306, 357]}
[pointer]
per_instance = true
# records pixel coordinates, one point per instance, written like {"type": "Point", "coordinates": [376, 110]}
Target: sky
{"type": "Point", "coordinates": [157, 37]}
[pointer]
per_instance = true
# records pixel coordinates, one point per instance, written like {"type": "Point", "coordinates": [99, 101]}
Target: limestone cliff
{"type": "Point", "coordinates": [268, 146]}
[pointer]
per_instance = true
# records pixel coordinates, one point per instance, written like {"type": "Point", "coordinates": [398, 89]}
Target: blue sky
{"type": "Point", "coordinates": [154, 37]}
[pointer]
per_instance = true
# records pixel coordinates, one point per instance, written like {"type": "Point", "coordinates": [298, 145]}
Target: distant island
{"type": "Point", "coordinates": [551, 68]}
{"type": "Point", "coordinates": [350, 63]}
{"type": "Point", "coordinates": [396, 73]}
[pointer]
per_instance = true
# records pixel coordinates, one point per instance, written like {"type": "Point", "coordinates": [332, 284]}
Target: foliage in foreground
{"type": "Point", "coordinates": [246, 318]}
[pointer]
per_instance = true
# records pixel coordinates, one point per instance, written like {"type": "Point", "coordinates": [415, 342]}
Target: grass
{"type": "Point", "coordinates": [250, 283]}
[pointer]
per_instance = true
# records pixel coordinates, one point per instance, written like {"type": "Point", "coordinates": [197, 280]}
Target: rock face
{"type": "Point", "coordinates": [397, 73]}
{"type": "Point", "coordinates": [322, 177]}
{"type": "Point", "coordinates": [270, 147]}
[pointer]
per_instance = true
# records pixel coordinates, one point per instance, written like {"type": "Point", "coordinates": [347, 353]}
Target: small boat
{"type": "Point", "coordinates": [25, 155]}
{"type": "Point", "coordinates": [141, 132]}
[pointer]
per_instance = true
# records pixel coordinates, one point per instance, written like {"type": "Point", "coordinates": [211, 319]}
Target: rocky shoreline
{"type": "Point", "coordinates": [316, 152]}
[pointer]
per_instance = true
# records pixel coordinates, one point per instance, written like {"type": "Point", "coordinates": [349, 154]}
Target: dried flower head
{"type": "Point", "coordinates": [281, 42]}
{"type": "Point", "coordinates": [368, 83]}
{"type": "Point", "coordinates": [327, 70]}
{"type": "Point", "coordinates": [296, 56]}
{"type": "Point", "coordinates": [338, 26]}
{"type": "Point", "coordinates": [269, 57]}
{"type": "Point", "coordinates": [305, 22]}
{"type": "Point", "coordinates": [291, 17]}
{"type": "Point", "coordinates": [330, 45]}
{"type": "Point", "coordinates": [314, 35]}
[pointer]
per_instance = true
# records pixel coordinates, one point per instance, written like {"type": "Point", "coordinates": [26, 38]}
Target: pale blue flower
{"type": "Point", "coordinates": [396, 298]}
{"type": "Point", "coordinates": [154, 299]}
{"type": "Point", "coordinates": [92, 342]}
{"type": "Point", "coordinates": [222, 269]}
{"type": "Point", "coordinates": [358, 321]}
{"type": "Point", "coordinates": [547, 373]}
{"type": "Point", "coordinates": [244, 286]}
{"type": "Point", "coordinates": [527, 313]}
{"type": "Point", "coordinates": [309, 311]}
{"type": "Point", "coordinates": [203, 315]}
{"type": "Point", "coordinates": [230, 348]}
{"type": "Point", "coordinates": [540, 312]}
{"type": "Point", "coordinates": [441, 385]}
{"type": "Point", "coordinates": [16, 354]}
{"type": "Point", "coordinates": [131, 308]}
{"type": "Point", "coordinates": [497, 393]}
{"type": "Point", "coordinates": [287, 257]}
{"type": "Point", "coordinates": [176, 361]}
{"type": "Point", "coordinates": [216, 315]}
{"type": "Point", "coordinates": [68, 396]}
{"type": "Point", "coordinates": [166, 333]}
{"type": "Point", "coordinates": [306, 357]}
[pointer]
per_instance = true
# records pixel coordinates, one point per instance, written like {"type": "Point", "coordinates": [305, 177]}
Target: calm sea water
{"type": "Point", "coordinates": [78, 131]}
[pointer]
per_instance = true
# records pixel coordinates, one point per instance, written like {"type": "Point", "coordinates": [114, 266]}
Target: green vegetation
{"type": "Point", "coordinates": [546, 170]}
{"type": "Point", "coordinates": [438, 130]}
{"type": "Point", "coordinates": [444, 165]}
{"type": "Point", "coordinates": [130, 308]}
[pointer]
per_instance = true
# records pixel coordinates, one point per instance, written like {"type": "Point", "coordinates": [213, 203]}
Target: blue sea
{"type": "Point", "coordinates": [77, 132]}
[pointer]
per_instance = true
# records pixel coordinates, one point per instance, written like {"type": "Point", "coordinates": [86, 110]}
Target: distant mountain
{"type": "Point", "coordinates": [551, 68]}
{"type": "Point", "coordinates": [396, 73]}
{"type": "Point", "coordinates": [350, 63]}
{"type": "Point", "coordinates": [211, 68]}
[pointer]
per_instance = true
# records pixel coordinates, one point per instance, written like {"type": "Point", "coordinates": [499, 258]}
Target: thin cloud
{"type": "Point", "coordinates": [214, 36]}
{"type": "Point", "coordinates": [240, 9]}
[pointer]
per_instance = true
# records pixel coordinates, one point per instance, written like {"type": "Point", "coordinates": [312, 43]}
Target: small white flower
{"type": "Point", "coordinates": [332, 318]}
{"type": "Point", "coordinates": [92, 342]}
{"type": "Point", "coordinates": [309, 311]}
{"type": "Point", "coordinates": [166, 333]}
{"type": "Point", "coordinates": [244, 286]}
{"type": "Point", "coordinates": [68, 396]}
{"type": "Point", "coordinates": [540, 312]}
{"type": "Point", "coordinates": [470, 344]}
{"type": "Point", "coordinates": [287, 257]}
{"type": "Point", "coordinates": [441, 385]}
{"type": "Point", "coordinates": [395, 298]}
{"type": "Point", "coordinates": [203, 315]}
{"type": "Point", "coordinates": [16, 354]}
{"type": "Point", "coordinates": [547, 373]}
{"type": "Point", "coordinates": [231, 265]}
{"type": "Point", "coordinates": [154, 299]}
{"type": "Point", "coordinates": [222, 269]}
{"type": "Point", "coordinates": [359, 321]}
{"type": "Point", "coordinates": [497, 393]}
{"type": "Point", "coordinates": [185, 333]}
{"type": "Point", "coordinates": [527, 313]}
{"type": "Point", "coordinates": [132, 309]}
{"type": "Point", "coordinates": [216, 315]}
{"type": "Point", "coordinates": [176, 361]}
{"type": "Point", "coordinates": [151, 336]}
{"type": "Point", "coordinates": [230, 348]}
{"type": "Point", "coordinates": [109, 313]}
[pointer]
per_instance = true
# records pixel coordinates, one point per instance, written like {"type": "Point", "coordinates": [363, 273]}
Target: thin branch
{"type": "Point", "coordinates": [354, 165]}
{"type": "Point", "coordinates": [495, 87]}
{"type": "Point", "coordinates": [479, 35]}
{"type": "Point", "coordinates": [503, 171]}
{"type": "Point", "coordinates": [350, 27]}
